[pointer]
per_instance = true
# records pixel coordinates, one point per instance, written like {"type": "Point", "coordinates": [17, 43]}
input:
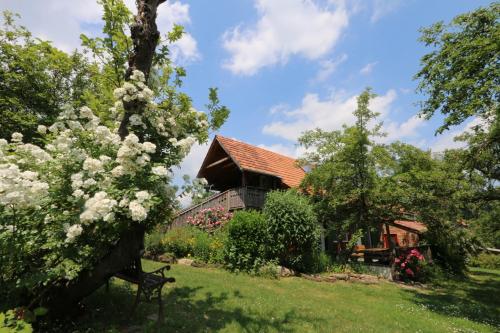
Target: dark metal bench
{"type": "Point", "coordinates": [148, 284]}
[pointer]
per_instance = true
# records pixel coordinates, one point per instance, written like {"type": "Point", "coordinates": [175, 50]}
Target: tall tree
{"type": "Point", "coordinates": [461, 79]}
{"type": "Point", "coordinates": [343, 176]}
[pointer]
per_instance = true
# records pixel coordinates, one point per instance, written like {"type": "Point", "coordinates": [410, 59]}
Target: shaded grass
{"type": "Point", "coordinates": [213, 300]}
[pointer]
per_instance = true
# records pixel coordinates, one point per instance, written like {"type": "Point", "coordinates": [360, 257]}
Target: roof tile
{"type": "Point", "coordinates": [257, 159]}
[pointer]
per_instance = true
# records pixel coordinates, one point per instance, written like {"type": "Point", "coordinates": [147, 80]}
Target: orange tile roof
{"type": "Point", "coordinates": [253, 158]}
{"type": "Point", "coordinates": [418, 226]}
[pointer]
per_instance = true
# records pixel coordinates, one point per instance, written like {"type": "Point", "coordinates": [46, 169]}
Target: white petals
{"type": "Point", "coordinates": [160, 171]}
{"type": "Point", "coordinates": [41, 129]}
{"type": "Point", "coordinates": [97, 207]}
{"type": "Point", "coordinates": [17, 137]}
{"type": "Point", "coordinates": [137, 211]}
{"type": "Point", "coordinates": [72, 232]}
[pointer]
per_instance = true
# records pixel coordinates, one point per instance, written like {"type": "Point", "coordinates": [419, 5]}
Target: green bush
{"type": "Point", "coordinates": [291, 227]}
{"type": "Point", "coordinates": [486, 260]}
{"type": "Point", "coordinates": [153, 243]}
{"type": "Point", "coordinates": [180, 241]}
{"type": "Point", "coordinates": [317, 262]}
{"type": "Point", "coordinates": [190, 241]}
{"type": "Point", "coordinates": [451, 246]}
{"type": "Point", "coordinates": [246, 241]}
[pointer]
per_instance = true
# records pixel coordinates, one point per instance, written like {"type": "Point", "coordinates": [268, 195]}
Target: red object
{"type": "Point", "coordinates": [394, 238]}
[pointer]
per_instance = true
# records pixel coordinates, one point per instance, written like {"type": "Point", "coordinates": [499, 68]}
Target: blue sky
{"type": "Point", "coordinates": [284, 66]}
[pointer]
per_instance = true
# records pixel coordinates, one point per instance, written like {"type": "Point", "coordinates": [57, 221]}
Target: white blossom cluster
{"type": "Point", "coordinates": [100, 206]}
{"type": "Point", "coordinates": [72, 232]}
{"type": "Point", "coordinates": [97, 159]}
{"type": "Point", "coordinates": [135, 89]}
{"type": "Point", "coordinates": [20, 189]}
{"type": "Point", "coordinates": [132, 155]}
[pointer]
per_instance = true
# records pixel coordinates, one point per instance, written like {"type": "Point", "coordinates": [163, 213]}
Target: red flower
{"type": "Point", "coordinates": [409, 272]}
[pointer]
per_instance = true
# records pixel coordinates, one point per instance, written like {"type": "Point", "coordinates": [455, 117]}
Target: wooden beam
{"type": "Point", "coordinates": [222, 160]}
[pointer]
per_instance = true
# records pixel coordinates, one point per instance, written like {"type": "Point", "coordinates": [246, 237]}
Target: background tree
{"type": "Point", "coordinates": [358, 185]}
{"type": "Point", "coordinates": [461, 79]}
{"type": "Point", "coordinates": [343, 176]}
{"type": "Point", "coordinates": [37, 80]}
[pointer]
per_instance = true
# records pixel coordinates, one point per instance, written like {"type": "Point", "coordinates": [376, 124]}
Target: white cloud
{"type": "Point", "coordinates": [279, 108]}
{"type": "Point", "coordinates": [62, 21]}
{"type": "Point", "coordinates": [287, 150]}
{"type": "Point", "coordinates": [368, 68]}
{"type": "Point", "coordinates": [329, 114]}
{"type": "Point", "coordinates": [192, 162]}
{"type": "Point", "coordinates": [57, 20]}
{"type": "Point", "coordinates": [327, 67]}
{"type": "Point", "coordinates": [170, 13]}
{"type": "Point", "coordinates": [285, 28]}
{"type": "Point", "coordinates": [447, 140]}
{"type": "Point", "coordinates": [185, 49]}
{"type": "Point", "coordinates": [382, 8]}
{"type": "Point", "coordinates": [406, 129]}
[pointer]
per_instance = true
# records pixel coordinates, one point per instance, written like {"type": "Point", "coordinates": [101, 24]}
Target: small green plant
{"type": "Point", "coordinates": [18, 320]}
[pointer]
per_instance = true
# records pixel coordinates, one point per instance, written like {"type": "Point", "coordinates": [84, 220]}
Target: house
{"type": "Point", "coordinates": [404, 233]}
{"type": "Point", "coordinates": [243, 174]}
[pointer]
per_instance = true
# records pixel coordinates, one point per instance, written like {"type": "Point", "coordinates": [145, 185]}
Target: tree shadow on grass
{"type": "Point", "coordinates": [186, 309]}
{"type": "Point", "coordinates": [188, 312]}
{"type": "Point", "coordinates": [472, 298]}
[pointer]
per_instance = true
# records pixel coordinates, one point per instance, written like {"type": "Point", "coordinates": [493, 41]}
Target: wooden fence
{"type": "Point", "coordinates": [230, 200]}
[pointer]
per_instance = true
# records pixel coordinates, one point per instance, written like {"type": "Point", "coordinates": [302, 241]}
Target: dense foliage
{"type": "Point", "coordinates": [37, 80]}
{"type": "Point", "coordinates": [343, 182]}
{"type": "Point", "coordinates": [292, 228]}
{"type": "Point", "coordinates": [247, 238]}
{"type": "Point", "coordinates": [461, 78]}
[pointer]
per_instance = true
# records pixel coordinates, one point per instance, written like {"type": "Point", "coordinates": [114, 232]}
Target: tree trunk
{"type": "Point", "coordinates": [62, 299]}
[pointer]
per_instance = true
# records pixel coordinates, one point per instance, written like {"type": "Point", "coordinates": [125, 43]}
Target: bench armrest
{"type": "Point", "coordinates": [160, 270]}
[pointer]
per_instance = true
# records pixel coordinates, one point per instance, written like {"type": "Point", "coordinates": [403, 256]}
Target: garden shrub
{"type": "Point", "coordinates": [189, 241]}
{"type": "Point", "coordinates": [409, 266]}
{"type": "Point", "coordinates": [246, 241]}
{"type": "Point", "coordinates": [180, 241]}
{"type": "Point", "coordinates": [317, 261]}
{"type": "Point", "coordinates": [153, 243]}
{"type": "Point", "coordinates": [486, 260]}
{"type": "Point", "coordinates": [201, 246]}
{"type": "Point", "coordinates": [292, 228]}
{"type": "Point", "coordinates": [11, 322]}
{"type": "Point", "coordinates": [210, 219]}
{"type": "Point", "coordinates": [451, 247]}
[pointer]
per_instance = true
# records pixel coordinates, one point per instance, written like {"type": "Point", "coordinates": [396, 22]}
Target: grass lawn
{"type": "Point", "coordinates": [213, 300]}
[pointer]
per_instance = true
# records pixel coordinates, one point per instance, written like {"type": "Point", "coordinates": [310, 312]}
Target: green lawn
{"type": "Point", "coordinates": [213, 300]}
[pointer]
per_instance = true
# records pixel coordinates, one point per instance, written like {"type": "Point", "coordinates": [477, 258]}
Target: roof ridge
{"type": "Point", "coordinates": [257, 147]}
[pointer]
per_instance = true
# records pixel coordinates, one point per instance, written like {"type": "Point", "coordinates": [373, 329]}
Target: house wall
{"type": "Point", "coordinates": [404, 238]}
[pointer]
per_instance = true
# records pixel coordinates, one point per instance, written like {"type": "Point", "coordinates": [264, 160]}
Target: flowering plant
{"type": "Point", "coordinates": [409, 265]}
{"type": "Point", "coordinates": [210, 219]}
{"type": "Point", "coordinates": [62, 205]}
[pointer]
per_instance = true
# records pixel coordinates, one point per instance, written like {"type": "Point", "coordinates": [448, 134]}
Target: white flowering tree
{"type": "Point", "coordinates": [74, 212]}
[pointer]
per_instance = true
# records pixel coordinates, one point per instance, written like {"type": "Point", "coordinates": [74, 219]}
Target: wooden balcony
{"type": "Point", "coordinates": [230, 200]}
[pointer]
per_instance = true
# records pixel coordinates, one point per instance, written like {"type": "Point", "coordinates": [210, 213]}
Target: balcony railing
{"type": "Point", "coordinates": [232, 199]}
